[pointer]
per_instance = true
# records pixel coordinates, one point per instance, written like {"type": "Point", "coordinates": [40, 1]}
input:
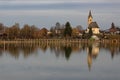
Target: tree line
{"type": "Point", "coordinates": [32, 32]}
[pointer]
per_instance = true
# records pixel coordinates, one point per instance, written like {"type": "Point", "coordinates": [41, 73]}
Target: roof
{"type": "Point", "coordinates": [93, 25]}
{"type": "Point", "coordinates": [112, 29]}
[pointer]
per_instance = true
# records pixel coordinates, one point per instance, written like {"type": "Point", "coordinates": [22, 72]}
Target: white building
{"type": "Point", "coordinates": [93, 25]}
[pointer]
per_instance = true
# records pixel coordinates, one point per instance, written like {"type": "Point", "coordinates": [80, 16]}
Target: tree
{"type": "Point", "coordinates": [33, 31]}
{"type": "Point", "coordinates": [75, 32]}
{"type": "Point", "coordinates": [90, 32]}
{"type": "Point", "coordinates": [16, 30]}
{"type": "Point", "coordinates": [112, 25]}
{"type": "Point", "coordinates": [57, 25]}
{"type": "Point", "coordinates": [79, 27]}
{"type": "Point", "coordinates": [1, 26]}
{"type": "Point", "coordinates": [68, 30]}
{"type": "Point", "coordinates": [25, 32]}
{"type": "Point", "coordinates": [13, 32]}
{"type": "Point", "coordinates": [42, 33]}
{"type": "Point", "coordinates": [113, 28]}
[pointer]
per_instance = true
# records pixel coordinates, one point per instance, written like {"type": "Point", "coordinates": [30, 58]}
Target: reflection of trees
{"type": "Point", "coordinates": [68, 51]}
{"type": "Point", "coordinates": [28, 49]}
{"type": "Point", "coordinates": [93, 51]}
{"type": "Point", "coordinates": [1, 49]}
{"type": "Point", "coordinates": [16, 49]}
{"type": "Point", "coordinates": [0, 53]}
{"type": "Point", "coordinates": [43, 47]}
{"type": "Point", "coordinates": [13, 50]}
{"type": "Point", "coordinates": [113, 48]}
{"type": "Point", "coordinates": [64, 50]}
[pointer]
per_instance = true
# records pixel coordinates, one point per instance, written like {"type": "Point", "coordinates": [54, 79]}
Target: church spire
{"type": "Point", "coordinates": [90, 18]}
{"type": "Point", "coordinates": [90, 14]}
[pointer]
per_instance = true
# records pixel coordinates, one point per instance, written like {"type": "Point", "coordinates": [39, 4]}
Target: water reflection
{"type": "Point", "coordinates": [65, 50]}
{"type": "Point", "coordinates": [114, 49]}
{"type": "Point", "coordinates": [93, 51]}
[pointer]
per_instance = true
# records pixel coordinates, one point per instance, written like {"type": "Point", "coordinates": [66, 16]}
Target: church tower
{"type": "Point", "coordinates": [90, 18]}
{"type": "Point", "coordinates": [93, 25]}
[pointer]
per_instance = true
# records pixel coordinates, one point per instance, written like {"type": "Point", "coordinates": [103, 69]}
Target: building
{"type": "Point", "coordinates": [93, 25]}
{"type": "Point", "coordinates": [114, 30]}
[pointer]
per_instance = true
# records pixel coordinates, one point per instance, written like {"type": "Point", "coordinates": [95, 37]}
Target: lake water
{"type": "Point", "coordinates": [92, 61]}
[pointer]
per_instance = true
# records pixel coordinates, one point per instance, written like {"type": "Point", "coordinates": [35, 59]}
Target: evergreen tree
{"type": "Point", "coordinates": [112, 25]}
{"type": "Point", "coordinates": [90, 32]}
{"type": "Point", "coordinates": [68, 30]}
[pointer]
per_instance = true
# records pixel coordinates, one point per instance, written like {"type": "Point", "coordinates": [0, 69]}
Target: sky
{"type": "Point", "coordinates": [45, 13]}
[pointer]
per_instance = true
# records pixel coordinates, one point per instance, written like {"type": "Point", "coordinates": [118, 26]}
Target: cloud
{"type": "Point", "coordinates": [39, 12]}
{"type": "Point", "coordinates": [104, 11]}
{"type": "Point", "coordinates": [58, 1]}
{"type": "Point", "coordinates": [48, 5]}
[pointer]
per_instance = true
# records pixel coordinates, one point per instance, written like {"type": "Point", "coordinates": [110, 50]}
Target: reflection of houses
{"type": "Point", "coordinates": [114, 49]}
{"type": "Point", "coordinates": [93, 51]}
{"type": "Point", "coordinates": [93, 25]}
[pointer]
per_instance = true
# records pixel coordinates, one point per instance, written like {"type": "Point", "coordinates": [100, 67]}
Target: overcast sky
{"type": "Point", "coordinates": [45, 13]}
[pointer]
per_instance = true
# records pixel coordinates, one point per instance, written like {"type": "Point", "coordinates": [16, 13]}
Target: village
{"type": "Point", "coordinates": [65, 31]}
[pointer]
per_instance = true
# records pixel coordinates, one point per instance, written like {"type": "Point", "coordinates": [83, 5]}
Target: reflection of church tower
{"type": "Point", "coordinates": [93, 51]}
{"type": "Point", "coordinates": [90, 18]}
{"type": "Point", "coordinates": [89, 58]}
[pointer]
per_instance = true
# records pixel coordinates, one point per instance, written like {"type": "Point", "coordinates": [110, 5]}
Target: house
{"type": "Point", "coordinates": [114, 29]}
{"type": "Point", "coordinates": [93, 25]}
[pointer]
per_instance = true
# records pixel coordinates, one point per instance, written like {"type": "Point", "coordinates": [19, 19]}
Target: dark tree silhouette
{"type": "Point", "coordinates": [112, 25]}
{"type": "Point", "coordinates": [68, 30]}
{"type": "Point", "coordinates": [90, 32]}
{"type": "Point", "coordinates": [68, 51]}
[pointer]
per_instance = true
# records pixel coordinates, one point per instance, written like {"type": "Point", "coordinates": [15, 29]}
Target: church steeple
{"type": "Point", "coordinates": [90, 18]}
{"type": "Point", "coordinates": [93, 25]}
{"type": "Point", "coordinates": [90, 14]}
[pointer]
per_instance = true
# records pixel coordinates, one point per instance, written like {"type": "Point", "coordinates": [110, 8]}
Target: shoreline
{"type": "Point", "coordinates": [62, 41]}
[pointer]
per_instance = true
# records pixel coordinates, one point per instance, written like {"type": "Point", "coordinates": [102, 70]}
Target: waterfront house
{"type": "Point", "coordinates": [114, 31]}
